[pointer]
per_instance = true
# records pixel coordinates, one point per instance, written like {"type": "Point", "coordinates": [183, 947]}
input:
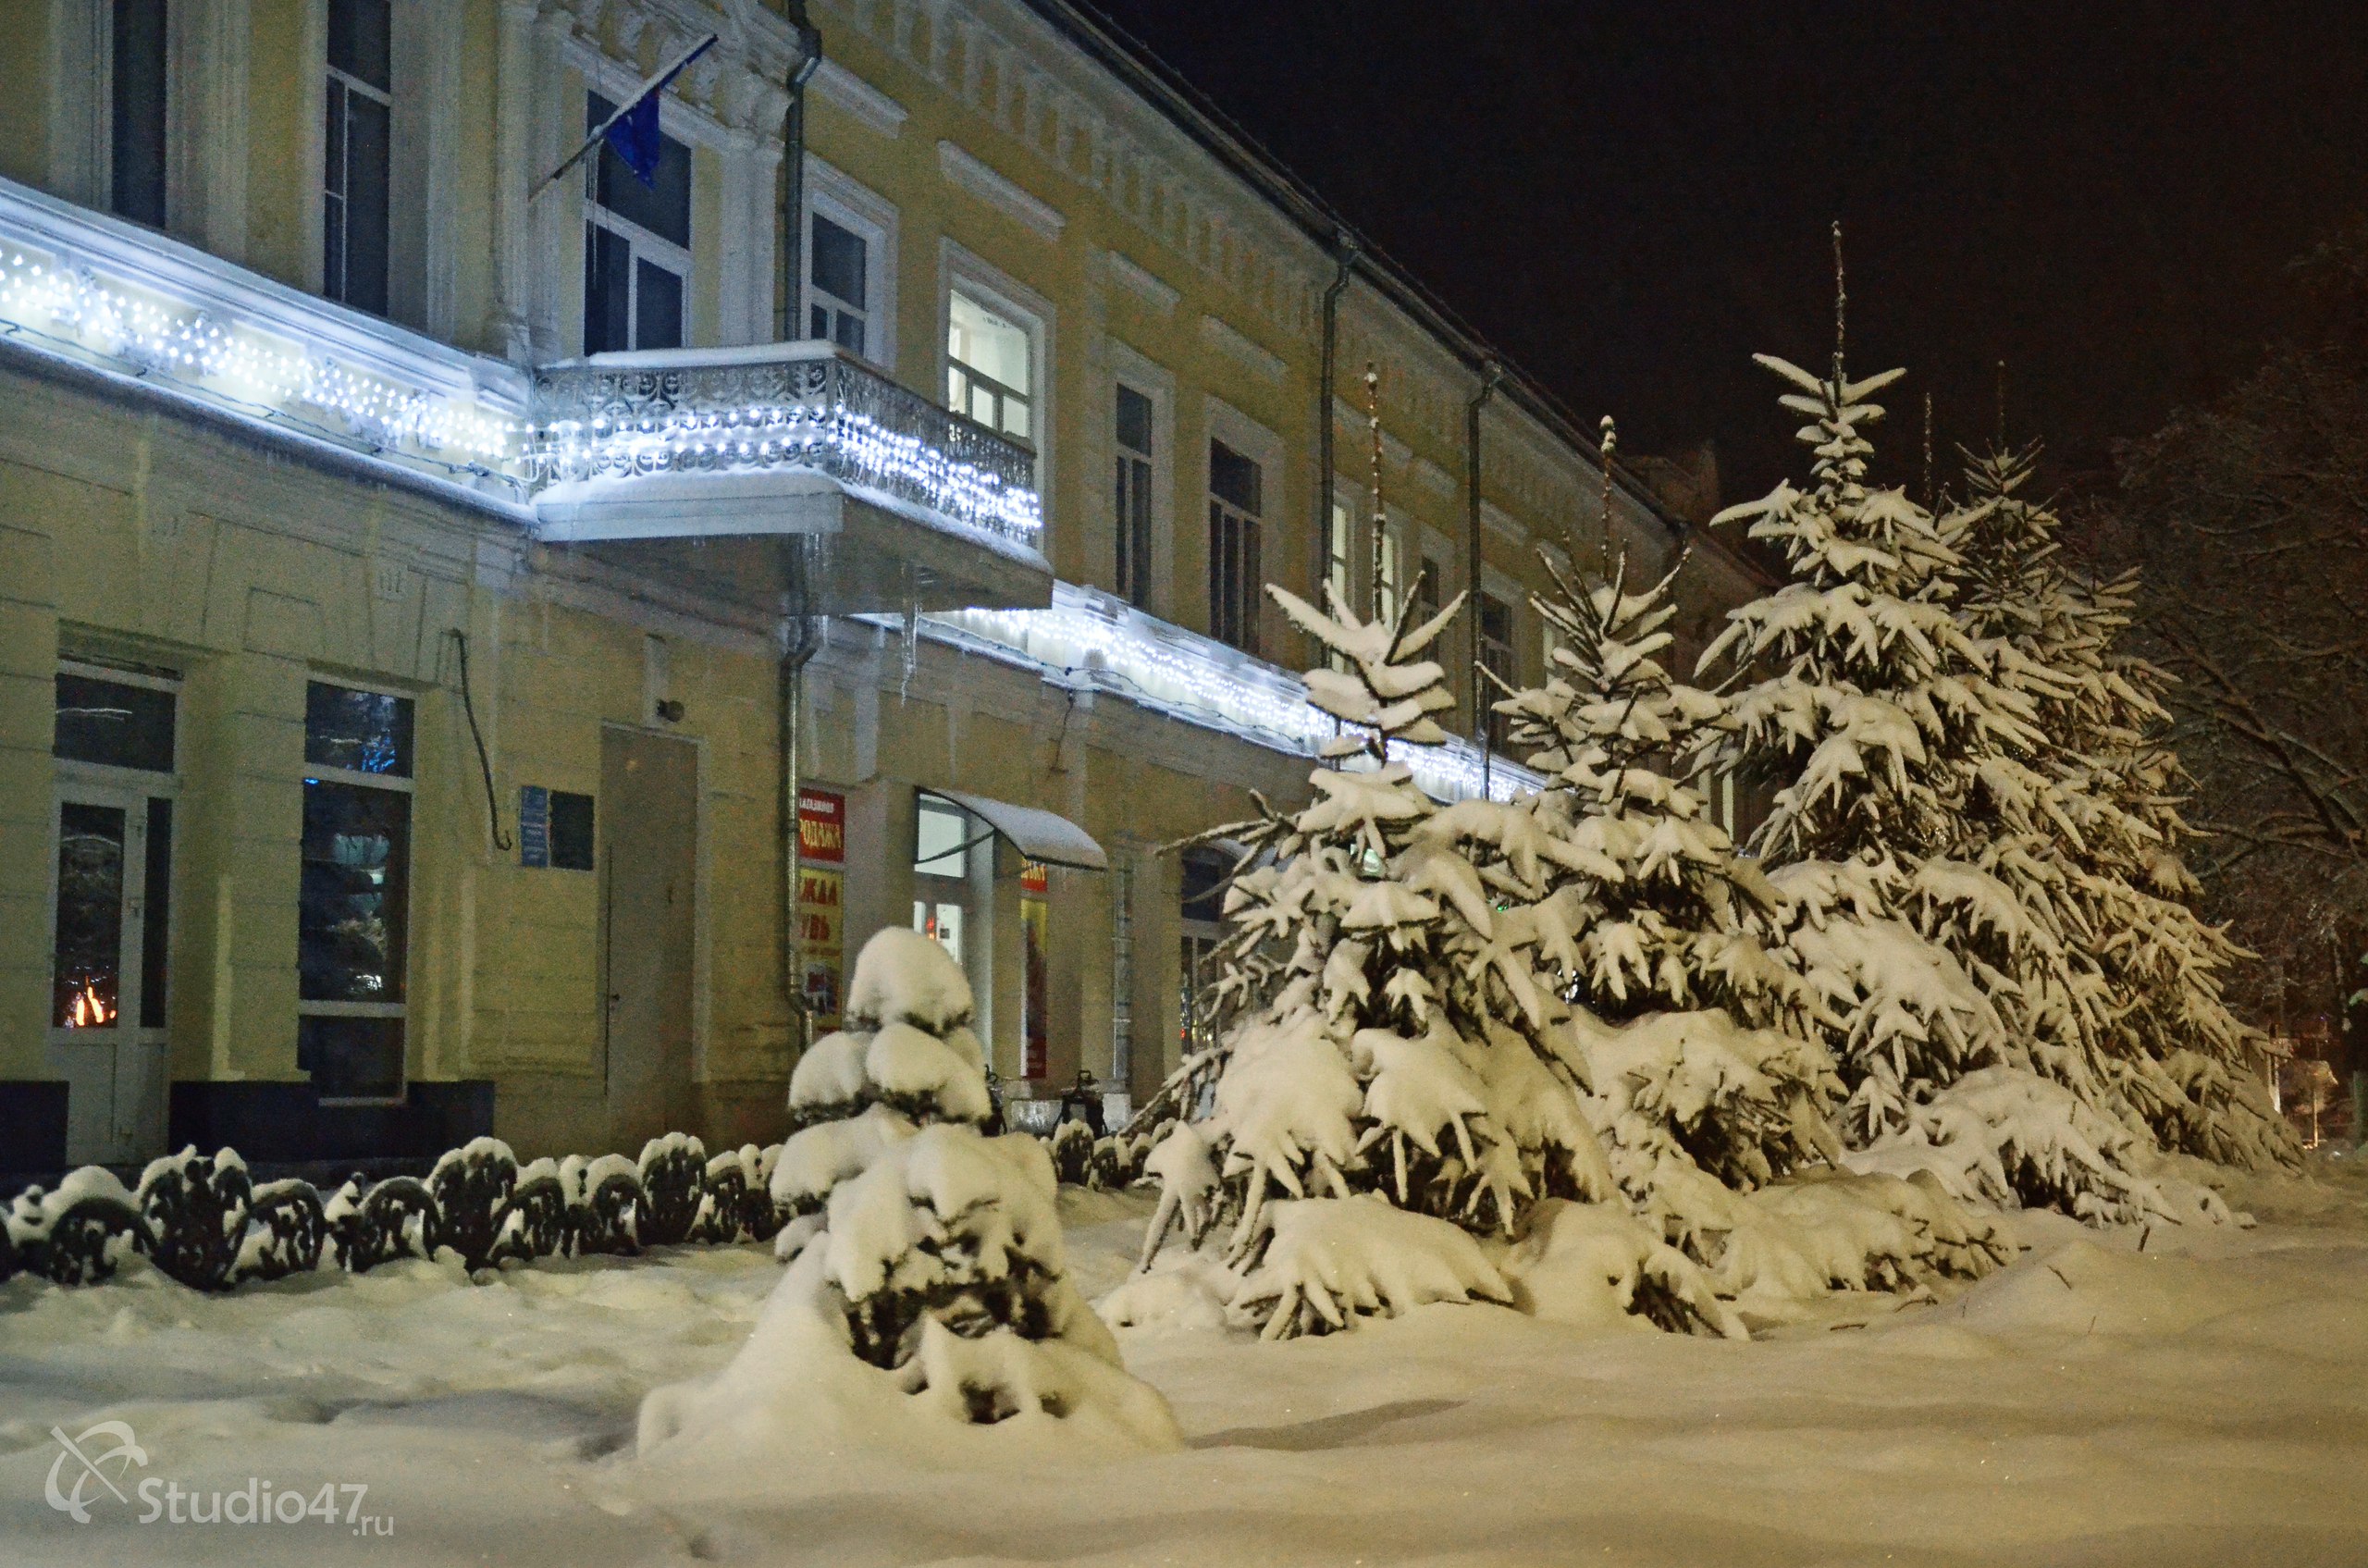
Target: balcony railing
{"type": "Point", "coordinates": [773, 406]}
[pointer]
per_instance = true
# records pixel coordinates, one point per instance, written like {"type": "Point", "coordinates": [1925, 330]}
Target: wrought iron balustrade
{"type": "Point", "coordinates": [798, 405]}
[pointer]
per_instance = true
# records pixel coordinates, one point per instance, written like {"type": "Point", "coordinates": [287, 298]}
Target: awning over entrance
{"type": "Point", "coordinates": [1044, 836]}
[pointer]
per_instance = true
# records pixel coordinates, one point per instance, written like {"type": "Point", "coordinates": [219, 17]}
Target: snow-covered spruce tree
{"type": "Point", "coordinates": [1707, 1084]}
{"type": "Point", "coordinates": [2162, 1041]}
{"type": "Point", "coordinates": [927, 1292]}
{"type": "Point", "coordinates": [1391, 1087]}
{"type": "Point", "coordinates": [1692, 1028]}
{"type": "Point", "coordinates": [1904, 834]}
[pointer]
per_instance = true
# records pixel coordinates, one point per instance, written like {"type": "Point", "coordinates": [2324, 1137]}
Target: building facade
{"type": "Point", "coordinates": [480, 651]}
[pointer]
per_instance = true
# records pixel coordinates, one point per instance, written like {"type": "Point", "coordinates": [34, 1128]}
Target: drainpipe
{"type": "Point", "coordinates": [1490, 374]}
{"type": "Point", "coordinates": [1345, 259]}
{"type": "Point", "coordinates": [793, 153]}
{"type": "Point", "coordinates": [800, 637]}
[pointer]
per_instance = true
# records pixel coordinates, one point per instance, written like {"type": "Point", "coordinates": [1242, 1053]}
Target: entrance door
{"type": "Point", "coordinates": [108, 903]}
{"type": "Point", "coordinates": [650, 833]}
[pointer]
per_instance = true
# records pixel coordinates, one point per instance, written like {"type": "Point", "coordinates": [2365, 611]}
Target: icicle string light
{"type": "Point", "coordinates": [52, 299]}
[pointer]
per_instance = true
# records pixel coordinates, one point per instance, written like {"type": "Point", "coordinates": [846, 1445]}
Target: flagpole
{"type": "Point", "coordinates": [655, 83]}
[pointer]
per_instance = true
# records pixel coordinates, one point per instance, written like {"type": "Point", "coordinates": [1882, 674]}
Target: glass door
{"type": "Point", "coordinates": [107, 1024]}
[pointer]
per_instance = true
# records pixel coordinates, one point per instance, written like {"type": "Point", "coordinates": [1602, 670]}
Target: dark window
{"type": "Point", "coordinates": [112, 722]}
{"type": "Point", "coordinates": [1427, 591]}
{"type": "Point", "coordinates": [657, 306]}
{"type": "Point", "coordinates": [634, 238]}
{"type": "Point", "coordinates": [608, 290]}
{"type": "Point", "coordinates": [351, 1058]}
{"type": "Point", "coordinates": [362, 732]}
{"type": "Point", "coordinates": [155, 914]}
{"type": "Point", "coordinates": [137, 104]}
{"type": "Point", "coordinates": [1497, 657]}
{"type": "Point", "coordinates": [839, 260]}
{"type": "Point", "coordinates": [358, 151]}
{"type": "Point", "coordinates": [1132, 498]}
{"type": "Point", "coordinates": [1204, 873]}
{"type": "Point", "coordinates": [664, 207]}
{"type": "Point", "coordinates": [571, 831]}
{"type": "Point", "coordinates": [353, 893]}
{"type": "Point", "coordinates": [86, 984]}
{"type": "Point", "coordinates": [1235, 486]}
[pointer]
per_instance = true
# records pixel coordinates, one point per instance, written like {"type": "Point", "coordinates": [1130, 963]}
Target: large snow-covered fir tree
{"type": "Point", "coordinates": [1909, 832]}
{"type": "Point", "coordinates": [927, 1292]}
{"type": "Point", "coordinates": [2159, 1041]}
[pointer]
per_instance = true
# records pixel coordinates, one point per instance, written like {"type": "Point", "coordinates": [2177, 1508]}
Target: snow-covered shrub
{"type": "Point", "coordinates": [603, 1203]}
{"type": "Point", "coordinates": [195, 1210]}
{"type": "Point", "coordinates": [287, 1229]}
{"type": "Point", "coordinates": [534, 1220]}
{"type": "Point", "coordinates": [472, 1186]}
{"type": "Point", "coordinates": [736, 1197]}
{"type": "Point", "coordinates": [1594, 1264]}
{"type": "Point", "coordinates": [673, 1180]}
{"type": "Point", "coordinates": [394, 1218]}
{"type": "Point", "coordinates": [1072, 1152]}
{"type": "Point", "coordinates": [79, 1233]}
{"type": "Point", "coordinates": [927, 1289]}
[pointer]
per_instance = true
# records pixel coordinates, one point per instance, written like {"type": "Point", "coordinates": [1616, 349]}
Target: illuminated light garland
{"type": "Point", "coordinates": [148, 338]}
{"type": "Point", "coordinates": [1087, 638]}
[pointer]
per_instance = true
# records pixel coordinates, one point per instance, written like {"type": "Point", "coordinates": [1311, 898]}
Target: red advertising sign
{"type": "Point", "coordinates": [823, 826]}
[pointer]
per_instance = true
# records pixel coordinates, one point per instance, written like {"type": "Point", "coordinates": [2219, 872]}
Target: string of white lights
{"type": "Point", "coordinates": [188, 345]}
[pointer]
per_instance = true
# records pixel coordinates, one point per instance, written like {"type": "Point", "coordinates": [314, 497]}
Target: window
{"type": "Point", "coordinates": [636, 246]}
{"type": "Point", "coordinates": [1497, 657]}
{"type": "Point", "coordinates": [988, 369]}
{"type": "Point", "coordinates": [1386, 565]}
{"type": "Point", "coordinates": [1131, 499]}
{"type": "Point", "coordinates": [1235, 484]}
{"type": "Point", "coordinates": [357, 160]}
{"type": "Point", "coordinates": [353, 891]}
{"type": "Point", "coordinates": [1337, 551]}
{"type": "Point", "coordinates": [137, 110]}
{"type": "Point", "coordinates": [942, 845]}
{"type": "Point", "coordinates": [838, 278]}
{"type": "Point", "coordinates": [1426, 589]}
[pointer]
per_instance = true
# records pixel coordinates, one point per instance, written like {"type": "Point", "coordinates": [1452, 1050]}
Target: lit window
{"type": "Point", "coordinates": [988, 369]}
{"type": "Point", "coordinates": [636, 246]}
{"type": "Point", "coordinates": [356, 154]}
{"type": "Point", "coordinates": [353, 893]}
{"type": "Point", "coordinates": [1236, 485]}
{"type": "Point", "coordinates": [1132, 497]}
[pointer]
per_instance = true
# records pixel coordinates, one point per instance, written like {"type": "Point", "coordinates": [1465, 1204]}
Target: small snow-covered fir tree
{"type": "Point", "coordinates": [1394, 1082]}
{"type": "Point", "coordinates": [927, 1291]}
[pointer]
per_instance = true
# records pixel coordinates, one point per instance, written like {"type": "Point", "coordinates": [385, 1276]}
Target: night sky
{"type": "Point", "coordinates": [1630, 198]}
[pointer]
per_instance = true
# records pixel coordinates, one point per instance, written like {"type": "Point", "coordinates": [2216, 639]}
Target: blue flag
{"type": "Point", "coordinates": [635, 138]}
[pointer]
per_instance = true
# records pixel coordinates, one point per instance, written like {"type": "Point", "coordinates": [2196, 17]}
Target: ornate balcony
{"type": "Point", "coordinates": [698, 463]}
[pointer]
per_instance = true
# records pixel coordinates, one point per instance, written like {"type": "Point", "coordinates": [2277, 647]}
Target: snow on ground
{"type": "Point", "coordinates": [2204, 1401]}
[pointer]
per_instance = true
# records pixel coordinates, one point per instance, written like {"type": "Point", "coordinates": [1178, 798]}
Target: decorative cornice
{"type": "Point", "coordinates": [1226, 340]}
{"type": "Point", "coordinates": [1140, 282]}
{"type": "Point", "coordinates": [1007, 195]}
{"type": "Point", "coordinates": [859, 99]}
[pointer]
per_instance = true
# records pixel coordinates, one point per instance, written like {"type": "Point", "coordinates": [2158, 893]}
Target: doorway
{"type": "Point", "coordinates": [109, 904]}
{"type": "Point", "coordinates": [649, 888]}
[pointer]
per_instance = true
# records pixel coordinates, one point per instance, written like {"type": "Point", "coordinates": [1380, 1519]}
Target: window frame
{"type": "Point", "coordinates": [960, 270]}
{"type": "Point", "coordinates": [1148, 378]}
{"type": "Point", "coordinates": [1245, 436]}
{"type": "Point", "coordinates": [334, 79]}
{"type": "Point", "coordinates": [397, 784]}
{"type": "Point", "coordinates": [832, 194]}
{"type": "Point", "coordinates": [641, 244]}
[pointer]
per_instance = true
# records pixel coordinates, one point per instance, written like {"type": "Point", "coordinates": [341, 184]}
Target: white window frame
{"type": "Point", "coordinates": [871, 217]}
{"type": "Point", "coordinates": [353, 84]}
{"type": "Point", "coordinates": [959, 268]}
{"type": "Point", "coordinates": [395, 784]}
{"type": "Point", "coordinates": [1140, 374]}
{"type": "Point", "coordinates": [1236, 429]}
